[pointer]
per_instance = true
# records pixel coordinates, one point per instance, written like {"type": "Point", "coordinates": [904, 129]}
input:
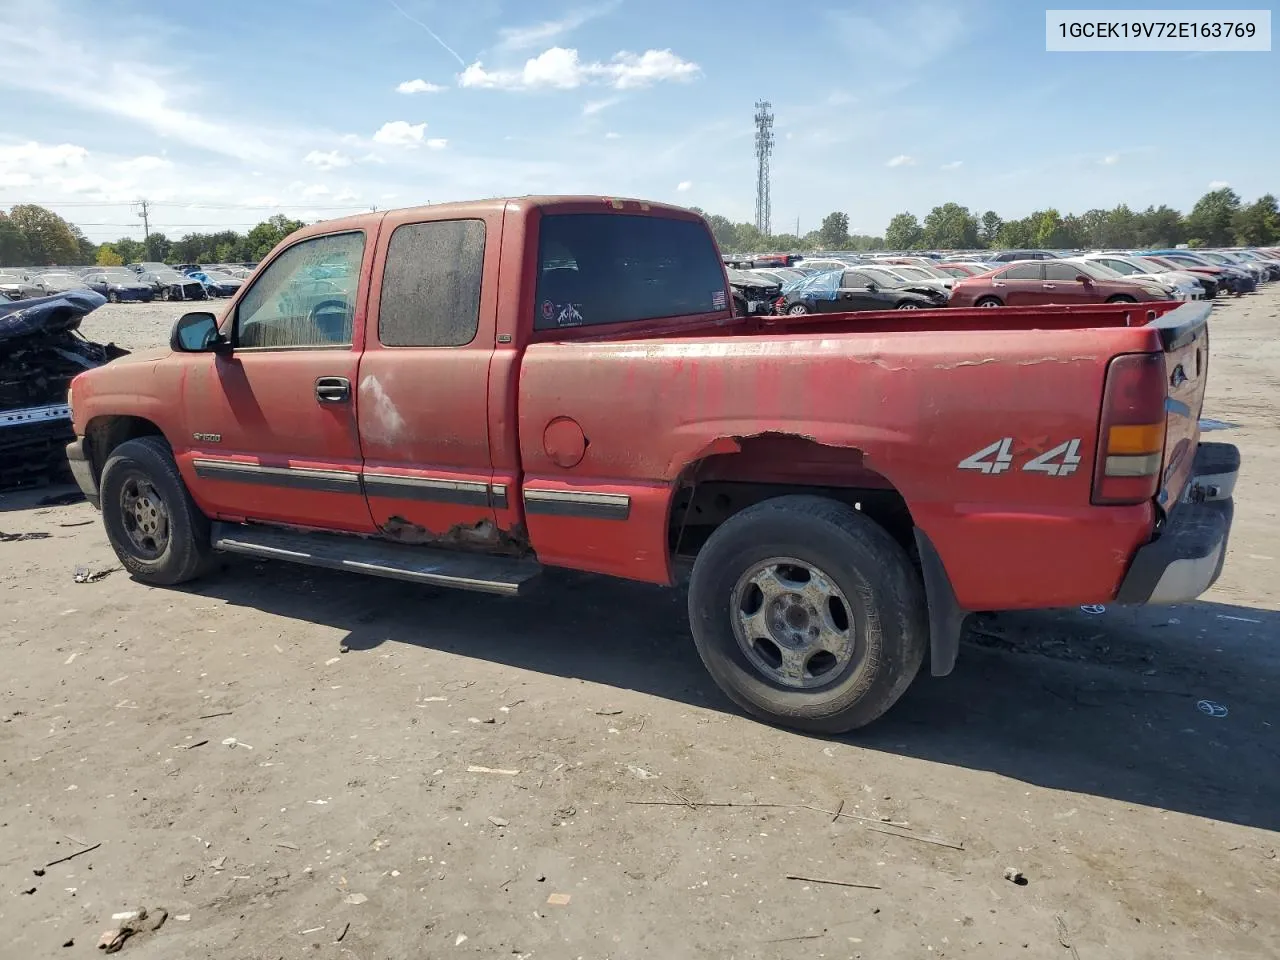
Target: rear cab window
{"type": "Point", "coordinates": [603, 268]}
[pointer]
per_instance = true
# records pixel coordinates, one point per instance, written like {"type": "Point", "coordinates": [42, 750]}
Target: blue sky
{"type": "Point", "coordinates": [315, 107]}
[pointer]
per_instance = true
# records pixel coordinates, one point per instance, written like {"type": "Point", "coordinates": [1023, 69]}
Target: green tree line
{"type": "Point", "coordinates": [1218, 219]}
{"type": "Point", "coordinates": [33, 236]}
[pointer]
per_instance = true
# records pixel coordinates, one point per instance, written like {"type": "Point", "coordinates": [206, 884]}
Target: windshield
{"type": "Point", "coordinates": [1096, 270]}
{"type": "Point", "coordinates": [888, 277]}
{"type": "Point", "coordinates": [1151, 264]}
{"type": "Point", "coordinates": [919, 273]}
{"type": "Point", "coordinates": [121, 276]}
{"type": "Point", "coordinates": [169, 276]}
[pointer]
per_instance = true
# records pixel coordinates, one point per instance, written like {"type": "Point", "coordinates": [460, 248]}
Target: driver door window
{"type": "Point", "coordinates": [305, 297]}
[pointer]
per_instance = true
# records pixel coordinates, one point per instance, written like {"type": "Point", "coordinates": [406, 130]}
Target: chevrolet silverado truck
{"type": "Point", "coordinates": [463, 395]}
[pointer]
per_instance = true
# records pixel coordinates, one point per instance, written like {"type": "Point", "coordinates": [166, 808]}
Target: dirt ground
{"type": "Point", "coordinates": [297, 763]}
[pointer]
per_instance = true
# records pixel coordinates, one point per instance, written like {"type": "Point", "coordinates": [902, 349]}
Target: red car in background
{"type": "Point", "coordinates": [1029, 283]}
{"type": "Point", "coordinates": [963, 271]}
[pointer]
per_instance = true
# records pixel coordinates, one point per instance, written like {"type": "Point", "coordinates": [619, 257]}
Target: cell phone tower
{"type": "Point", "coordinates": [764, 150]}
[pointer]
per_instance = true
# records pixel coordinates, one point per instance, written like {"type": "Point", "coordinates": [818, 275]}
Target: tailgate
{"type": "Point", "coordinates": [1184, 335]}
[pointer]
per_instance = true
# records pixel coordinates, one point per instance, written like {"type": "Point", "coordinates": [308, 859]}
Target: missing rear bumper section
{"type": "Point", "coordinates": [1186, 558]}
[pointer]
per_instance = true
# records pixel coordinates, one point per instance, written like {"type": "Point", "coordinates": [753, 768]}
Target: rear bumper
{"type": "Point", "coordinates": [1186, 558]}
{"type": "Point", "coordinates": [82, 470]}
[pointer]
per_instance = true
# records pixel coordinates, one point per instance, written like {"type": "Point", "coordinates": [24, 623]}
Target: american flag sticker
{"type": "Point", "coordinates": [718, 300]}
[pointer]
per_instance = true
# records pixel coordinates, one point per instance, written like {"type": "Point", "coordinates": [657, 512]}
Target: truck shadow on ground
{"type": "Point", "coordinates": [1103, 704]}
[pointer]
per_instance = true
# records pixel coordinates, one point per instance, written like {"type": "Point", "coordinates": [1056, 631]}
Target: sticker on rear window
{"type": "Point", "coordinates": [568, 315]}
{"type": "Point", "coordinates": [548, 309]}
{"type": "Point", "coordinates": [718, 300]}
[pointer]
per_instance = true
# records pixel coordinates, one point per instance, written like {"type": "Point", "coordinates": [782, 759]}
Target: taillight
{"type": "Point", "coordinates": [1131, 439]}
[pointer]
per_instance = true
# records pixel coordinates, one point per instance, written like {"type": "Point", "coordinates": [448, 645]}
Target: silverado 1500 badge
{"type": "Point", "coordinates": [207, 437]}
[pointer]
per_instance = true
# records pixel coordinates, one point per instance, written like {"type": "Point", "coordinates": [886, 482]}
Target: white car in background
{"type": "Point", "coordinates": [1184, 285]}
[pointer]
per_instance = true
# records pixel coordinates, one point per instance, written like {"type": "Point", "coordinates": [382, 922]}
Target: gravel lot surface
{"type": "Point", "coordinates": [301, 763]}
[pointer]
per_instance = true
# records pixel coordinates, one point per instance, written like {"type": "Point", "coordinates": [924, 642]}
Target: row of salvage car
{"type": "Point", "coordinates": [141, 282]}
{"type": "Point", "coordinates": [838, 283]}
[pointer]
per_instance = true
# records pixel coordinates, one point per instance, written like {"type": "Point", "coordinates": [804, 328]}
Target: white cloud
{"type": "Point", "coordinates": [592, 107]}
{"type": "Point", "coordinates": [628, 70]}
{"type": "Point", "coordinates": [316, 190]}
{"type": "Point", "coordinates": [15, 179]}
{"type": "Point", "coordinates": [901, 160]}
{"type": "Point", "coordinates": [684, 186]}
{"type": "Point", "coordinates": [345, 196]}
{"type": "Point", "coordinates": [560, 68]}
{"type": "Point", "coordinates": [613, 135]}
{"type": "Point", "coordinates": [400, 133]}
{"type": "Point", "coordinates": [953, 165]}
{"type": "Point", "coordinates": [436, 143]}
{"type": "Point", "coordinates": [534, 35]}
{"type": "Point", "coordinates": [327, 159]}
{"type": "Point", "coordinates": [419, 86]}
{"type": "Point", "coordinates": [1110, 160]}
{"type": "Point", "coordinates": [144, 164]}
{"type": "Point", "coordinates": [38, 155]}
{"type": "Point", "coordinates": [1218, 184]}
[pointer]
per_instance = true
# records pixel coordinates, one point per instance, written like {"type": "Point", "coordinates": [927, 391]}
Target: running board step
{"type": "Point", "coordinates": [441, 568]}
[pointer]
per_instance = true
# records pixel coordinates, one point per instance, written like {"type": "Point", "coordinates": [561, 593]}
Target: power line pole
{"type": "Point", "coordinates": [144, 213]}
{"type": "Point", "coordinates": [764, 150]}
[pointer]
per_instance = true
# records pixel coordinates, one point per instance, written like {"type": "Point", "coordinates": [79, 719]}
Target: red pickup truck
{"type": "Point", "coordinates": [463, 394]}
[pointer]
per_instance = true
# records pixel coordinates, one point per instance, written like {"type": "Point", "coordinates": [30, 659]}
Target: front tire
{"type": "Point", "coordinates": [808, 614]}
{"type": "Point", "coordinates": [113, 297]}
{"type": "Point", "coordinates": [797, 310]}
{"type": "Point", "coordinates": [1121, 298]}
{"type": "Point", "coordinates": [166, 294]}
{"type": "Point", "coordinates": [907, 305]}
{"type": "Point", "coordinates": [153, 525]}
{"type": "Point", "coordinates": [989, 302]}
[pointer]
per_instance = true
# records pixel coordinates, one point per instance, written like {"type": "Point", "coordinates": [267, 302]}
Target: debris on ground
{"type": "Point", "coordinates": [342, 933]}
{"type": "Point", "coordinates": [1015, 876]}
{"type": "Point", "coordinates": [834, 883]}
{"type": "Point", "coordinates": [1211, 708]}
{"type": "Point", "coordinates": [130, 923]}
{"type": "Point", "coordinates": [505, 773]}
{"type": "Point", "coordinates": [19, 537]}
{"type": "Point", "coordinates": [559, 899]}
{"type": "Point", "coordinates": [85, 574]}
{"type": "Point", "coordinates": [499, 821]}
{"type": "Point", "coordinates": [40, 353]}
{"type": "Point", "coordinates": [71, 856]}
{"type": "Point", "coordinates": [355, 899]}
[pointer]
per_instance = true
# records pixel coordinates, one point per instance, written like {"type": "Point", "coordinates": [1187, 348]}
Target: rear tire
{"type": "Point", "coordinates": [907, 305]}
{"type": "Point", "coordinates": [989, 302]}
{"type": "Point", "coordinates": [153, 525]}
{"type": "Point", "coordinates": [1121, 298]}
{"type": "Point", "coordinates": [808, 614]}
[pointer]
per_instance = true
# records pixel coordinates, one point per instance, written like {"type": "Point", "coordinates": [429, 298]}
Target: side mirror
{"type": "Point", "coordinates": [872, 288]}
{"type": "Point", "coordinates": [1081, 278]}
{"type": "Point", "coordinates": [197, 333]}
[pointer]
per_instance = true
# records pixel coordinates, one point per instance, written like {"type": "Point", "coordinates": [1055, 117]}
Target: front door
{"type": "Point", "coordinates": [858, 291]}
{"type": "Point", "coordinates": [1021, 285]}
{"type": "Point", "coordinates": [273, 421]}
{"type": "Point", "coordinates": [1061, 285]}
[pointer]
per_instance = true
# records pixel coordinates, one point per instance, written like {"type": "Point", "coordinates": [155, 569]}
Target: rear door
{"type": "Point", "coordinates": [424, 377]}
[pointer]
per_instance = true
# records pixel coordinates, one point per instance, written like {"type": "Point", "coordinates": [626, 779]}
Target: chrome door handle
{"type": "Point", "coordinates": [333, 389]}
